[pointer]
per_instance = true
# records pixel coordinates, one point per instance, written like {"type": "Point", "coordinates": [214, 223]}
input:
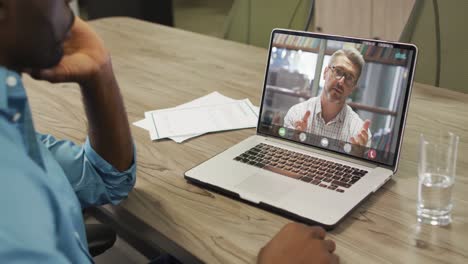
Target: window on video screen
{"type": "Point", "coordinates": [346, 97]}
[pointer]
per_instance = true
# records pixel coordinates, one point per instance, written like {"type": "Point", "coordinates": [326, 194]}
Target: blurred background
{"type": "Point", "coordinates": [436, 26]}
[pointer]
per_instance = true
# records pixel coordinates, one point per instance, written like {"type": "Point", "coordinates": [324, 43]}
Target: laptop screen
{"type": "Point", "coordinates": [344, 95]}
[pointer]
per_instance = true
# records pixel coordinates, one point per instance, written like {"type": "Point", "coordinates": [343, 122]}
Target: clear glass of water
{"type": "Point", "coordinates": [437, 170]}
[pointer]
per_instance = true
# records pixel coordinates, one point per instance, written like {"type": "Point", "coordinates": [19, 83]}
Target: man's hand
{"type": "Point", "coordinates": [87, 62]}
{"type": "Point", "coordinates": [303, 123]}
{"type": "Point", "coordinates": [298, 243]}
{"type": "Point", "coordinates": [363, 136]}
{"type": "Point", "coordinates": [84, 59]}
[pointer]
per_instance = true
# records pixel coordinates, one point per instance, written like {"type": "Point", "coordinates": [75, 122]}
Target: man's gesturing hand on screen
{"type": "Point", "coordinates": [363, 136]}
{"type": "Point", "coordinates": [303, 123]}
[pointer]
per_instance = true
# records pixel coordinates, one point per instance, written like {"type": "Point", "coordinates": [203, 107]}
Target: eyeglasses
{"type": "Point", "coordinates": [350, 80]}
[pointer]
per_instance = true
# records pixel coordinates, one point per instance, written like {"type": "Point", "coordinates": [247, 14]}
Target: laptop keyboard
{"type": "Point", "coordinates": [326, 174]}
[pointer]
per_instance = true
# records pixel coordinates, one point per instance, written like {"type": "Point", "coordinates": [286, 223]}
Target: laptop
{"type": "Point", "coordinates": [330, 127]}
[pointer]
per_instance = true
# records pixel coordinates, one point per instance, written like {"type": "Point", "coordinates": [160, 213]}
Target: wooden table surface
{"type": "Point", "coordinates": [159, 67]}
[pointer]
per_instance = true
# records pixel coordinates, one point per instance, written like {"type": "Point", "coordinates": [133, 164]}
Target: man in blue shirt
{"type": "Point", "coordinates": [45, 182]}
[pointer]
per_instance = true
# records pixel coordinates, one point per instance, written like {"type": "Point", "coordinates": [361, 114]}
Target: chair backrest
{"type": "Point", "coordinates": [251, 21]}
{"type": "Point", "coordinates": [451, 16]}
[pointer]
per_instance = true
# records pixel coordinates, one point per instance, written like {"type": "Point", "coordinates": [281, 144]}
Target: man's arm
{"type": "Point", "coordinates": [88, 63]}
{"type": "Point", "coordinates": [94, 180]}
{"type": "Point", "coordinates": [103, 170]}
{"type": "Point", "coordinates": [109, 132]}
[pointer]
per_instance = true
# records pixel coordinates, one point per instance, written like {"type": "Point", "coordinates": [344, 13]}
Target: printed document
{"type": "Point", "coordinates": [176, 122]}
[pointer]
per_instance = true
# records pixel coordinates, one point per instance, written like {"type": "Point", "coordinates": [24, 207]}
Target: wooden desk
{"type": "Point", "coordinates": [160, 67]}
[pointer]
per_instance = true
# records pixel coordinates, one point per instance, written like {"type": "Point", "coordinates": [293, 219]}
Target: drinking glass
{"type": "Point", "coordinates": [437, 170]}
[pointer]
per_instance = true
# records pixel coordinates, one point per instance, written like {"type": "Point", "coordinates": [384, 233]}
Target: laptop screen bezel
{"type": "Point", "coordinates": [396, 45]}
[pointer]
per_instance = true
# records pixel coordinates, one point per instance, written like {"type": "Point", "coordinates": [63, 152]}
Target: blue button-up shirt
{"type": "Point", "coordinates": [45, 183]}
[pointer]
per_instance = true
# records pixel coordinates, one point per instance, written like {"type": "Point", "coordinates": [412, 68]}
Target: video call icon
{"type": "Point", "coordinates": [302, 137]}
{"type": "Point", "coordinates": [282, 131]}
{"type": "Point", "coordinates": [347, 148]}
{"type": "Point", "coordinates": [372, 154]}
{"type": "Point", "coordinates": [324, 142]}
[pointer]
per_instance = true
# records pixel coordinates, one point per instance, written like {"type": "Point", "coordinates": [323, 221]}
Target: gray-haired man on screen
{"type": "Point", "coordinates": [328, 115]}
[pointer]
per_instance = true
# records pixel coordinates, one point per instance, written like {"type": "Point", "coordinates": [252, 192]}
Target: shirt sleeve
{"type": "Point", "coordinates": [291, 117]}
{"type": "Point", "coordinates": [296, 113]}
{"type": "Point", "coordinates": [94, 180]}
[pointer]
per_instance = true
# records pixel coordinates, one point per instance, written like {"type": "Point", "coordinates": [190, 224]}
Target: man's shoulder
{"type": "Point", "coordinates": [312, 100]}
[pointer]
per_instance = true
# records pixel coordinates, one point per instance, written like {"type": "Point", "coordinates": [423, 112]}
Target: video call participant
{"type": "Point", "coordinates": [328, 115]}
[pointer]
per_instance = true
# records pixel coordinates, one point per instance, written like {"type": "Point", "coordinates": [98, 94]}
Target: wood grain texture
{"type": "Point", "coordinates": [160, 67]}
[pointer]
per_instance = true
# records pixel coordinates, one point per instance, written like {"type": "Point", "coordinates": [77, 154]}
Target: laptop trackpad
{"type": "Point", "coordinates": [266, 188]}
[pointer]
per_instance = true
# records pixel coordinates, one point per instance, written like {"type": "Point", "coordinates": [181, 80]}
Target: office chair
{"type": "Point", "coordinates": [438, 29]}
{"type": "Point", "coordinates": [100, 237]}
{"type": "Point", "coordinates": [251, 21]}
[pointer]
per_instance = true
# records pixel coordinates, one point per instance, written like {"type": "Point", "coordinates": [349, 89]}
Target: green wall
{"type": "Point", "coordinates": [250, 20]}
{"type": "Point", "coordinates": [453, 16]}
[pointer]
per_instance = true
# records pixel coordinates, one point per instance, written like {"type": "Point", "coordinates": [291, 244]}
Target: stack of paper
{"type": "Point", "coordinates": [211, 113]}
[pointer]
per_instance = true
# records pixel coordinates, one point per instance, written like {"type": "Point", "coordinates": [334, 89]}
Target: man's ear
{"type": "Point", "coordinates": [325, 72]}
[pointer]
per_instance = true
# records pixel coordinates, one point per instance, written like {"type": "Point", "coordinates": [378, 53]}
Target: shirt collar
{"type": "Point", "coordinates": [10, 86]}
{"type": "Point", "coordinates": [338, 118]}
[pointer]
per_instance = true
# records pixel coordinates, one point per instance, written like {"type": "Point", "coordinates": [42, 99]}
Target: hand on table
{"type": "Point", "coordinates": [298, 243]}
